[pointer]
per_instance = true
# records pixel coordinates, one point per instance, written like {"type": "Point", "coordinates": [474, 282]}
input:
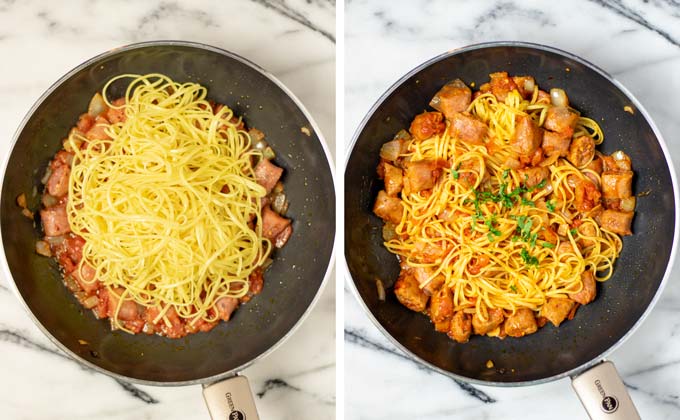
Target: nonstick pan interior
{"type": "Point", "coordinates": [621, 301]}
{"type": "Point", "coordinates": [291, 283]}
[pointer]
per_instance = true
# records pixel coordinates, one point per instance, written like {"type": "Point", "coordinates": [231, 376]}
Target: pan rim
{"type": "Point", "coordinates": [206, 47]}
{"type": "Point", "coordinates": [676, 200]}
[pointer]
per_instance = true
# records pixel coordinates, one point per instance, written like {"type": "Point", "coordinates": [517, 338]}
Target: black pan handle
{"type": "Point", "coordinates": [230, 399]}
{"type": "Point", "coordinates": [603, 393]}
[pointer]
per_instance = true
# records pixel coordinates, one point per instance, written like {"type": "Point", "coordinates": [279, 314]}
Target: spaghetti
{"type": "Point", "coordinates": [494, 219]}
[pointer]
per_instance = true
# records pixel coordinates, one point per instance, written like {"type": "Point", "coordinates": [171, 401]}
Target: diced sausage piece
{"type": "Point", "coordinates": [460, 327]}
{"type": "Point", "coordinates": [617, 184]}
{"type": "Point", "coordinates": [525, 85]}
{"type": "Point", "coordinates": [427, 124]}
{"type": "Point", "coordinates": [128, 308]}
{"type": "Point", "coordinates": [98, 130]}
{"type": "Point", "coordinates": [556, 143]}
{"type": "Point", "coordinates": [391, 150]}
{"type": "Point", "coordinates": [556, 310]}
{"type": "Point", "coordinates": [453, 97]}
{"type": "Point", "coordinates": [55, 220]}
{"type": "Point", "coordinates": [85, 122]}
{"type": "Point", "coordinates": [587, 294]}
{"type": "Point", "coordinates": [543, 97]}
{"type": "Point", "coordinates": [494, 319]}
{"type": "Point", "coordinates": [596, 165]}
{"type": "Point", "coordinates": [581, 151]}
{"type": "Point", "coordinates": [283, 237]}
{"type": "Point", "coordinates": [441, 305]}
{"type": "Point", "coordinates": [586, 195]}
{"type": "Point", "coordinates": [408, 292]}
{"type": "Point", "coordinates": [617, 221]}
{"type": "Point", "coordinates": [521, 323]}
{"type": "Point", "coordinates": [531, 177]}
{"type": "Point", "coordinates": [176, 328]}
{"type": "Point", "coordinates": [255, 135]}
{"type": "Point", "coordinates": [564, 248]}
{"type": "Point", "coordinates": [587, 229]}
{"type": "Point", "coordinates": [225, 307]}
{"type": "Point", "coordinates": [272, 223]}
{"type": "Point", "coordinates": [467, 128]}
{"type": "Point", "coordinates": [528, 136]}
{"type": "Point", "coordinates": [442, 326]}
{"type": "Point", "coordinates": [267, 174]}
{"type": "Point", "coordinates": [393, 180]}
{"type": "Point", "coordinates": [421, 175]}
{"type": "Point", "coordinates": [116, 115]}
{"type": "Point", "coordinates": [501, 85]}
{"type": "Point", "coordinates": [560, 119]}
{"type": "Point", "coordinates": [84, 276]}
{"type": "Point", "coordinates": [57, 184]}
{"type": "Point", "coordinates": [388, 208]}
{"type": "Point", "coordinates": [422, 274]}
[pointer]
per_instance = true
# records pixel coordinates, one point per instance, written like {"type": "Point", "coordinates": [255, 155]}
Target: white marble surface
{"type": "Point", "coordinates": [40, 41]}
{"type": "Point", "coordinates": [639, 43]}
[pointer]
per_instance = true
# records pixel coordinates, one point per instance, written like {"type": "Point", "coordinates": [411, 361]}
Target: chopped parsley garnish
{"type": "Point", "coordinates": [573, 231]}
{"type": "Point", "coordinates": [550, 205]}
{"type": "Point", "coordinates": [505, 173]}
{"type": "Point", "coordinates": [548, 245]}
{"type": "Point", "coordinates": [529, 203]}
{"type": "Point", "coordinates": [513, 288]}
{"type": "Point", "coordinates": [527, 258]}
{"type": "Point", "coordinates": [490, 237]}
{"type": "Point", "coordinates": [454, 172]}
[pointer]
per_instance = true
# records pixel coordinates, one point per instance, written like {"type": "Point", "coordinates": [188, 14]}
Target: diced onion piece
{"type": "Point", "coordinates": [269, 153]}
{"type": "Point", "coordinates": [278, 188]}
{"type": "Point", "coordinates": [627, 204]}
{"type": "Point", "coordinates": [279, 202]}
{"type": "Point", "coordinates": [90, 302]}
{"type": "Point", "coordinates": [622, 160]}
{"type": "Point", "coordinates": [46, 177]}
{"type": "Point", "coordinates": [558, 97]}
{"type": "Point", "coordinates": [71, 284]}
{"type": "Point", "coordinates": [27, 213]}
{"type": "Point", "coordinates": [55, 240]}
{"type": "Point", "coordinates": [49, 200]}
{"type": "Point", "coordinates": [563, 229]}
{"type": "Point", "coordinates": [260, 145]}
{"type": "Point", "coordinates": [390, 151]}
{"type": "Point", "coordinates": [388, 232]}
{"type": "Point", "coordinates": [21, 200]}
{"type": "Point", "coordinates": [529, 84]}
{"type": "Point", "coordinates": [97, 105]}
{"type": "Point", "coordinates": [43, 248]}
{"type": "Point", "coordinates": [381, 289]}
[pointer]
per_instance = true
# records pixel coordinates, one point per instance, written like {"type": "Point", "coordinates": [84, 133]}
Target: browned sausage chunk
{"type": "Point", "coordinates": [556, 143]}
{"type": "Point", "coordinates": [460, 327]}
{"type": "Point", "coordinates": [55, 220]}
{"type": "Point", "coordinates": [531, 177]}
{"type": "Point", "coordinates": [226, 306]}
{"type": "Point", "coordinates": [494, 319]}
{"type": "Point", "coordinates": [581, 151]}
{"type": "Point", "coordinates": [556, 310]}
{"type": "Point", "coordinates": [388, 208]}
{"type": "Point", "coordinates": [528, 136]}
{"type": "Point", "coordinates": [587, 294]}
{"type": "Point", "coordinates": [272, 223]}
{"type": "Point", "coordinates": [468, 128]}
{"type": "Point", "coordinates": [427, 124]}
{"type": "Point", "coordinates": [617, 221]}
{"type": "Point", "coordinates": [501, 85]}
{"type": "Point", "coordinates": [441, 305]}
{"type": "Point", "coordinates": [408, 292]}
{"type": "Point", "coordinates": [452, 98]}
{"type": "Point", "coordinates": [421, 175]}
{"type": "Point", "coordinates": [521, 323]}
{"type": "Point", "coordinates": [423, 274]}
{"type": "Point", "coordinates": [267, 174]}
{"type": "Point", "coordinates": [57, 184]}
{"type": "Point", "coordinates": [560, 119]}
{"type": "Point", "coordinates": [393, 180]}
{"type": "Point", "coordinates": [617, 184]}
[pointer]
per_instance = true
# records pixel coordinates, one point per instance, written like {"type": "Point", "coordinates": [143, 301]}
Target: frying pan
{"type": "Point", "coordinates": [292, 283]}
{"type": "Point", "coordinates": [577, 348]}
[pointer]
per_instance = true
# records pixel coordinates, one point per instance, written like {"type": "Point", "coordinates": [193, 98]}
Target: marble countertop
{"type": "Point", "coordinates": [40, 41]}
{"type": "Point", "coordinates": [637, 42]}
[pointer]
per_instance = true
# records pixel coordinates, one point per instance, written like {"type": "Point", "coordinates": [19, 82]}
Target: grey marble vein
{"type": "Point", "coordinates": [653, 368]}
{"type": "Point", "coordinates": [16, 337]}
{"type": "Point", "coordinates": [275, 383]}
{"type": "Point", "coordinates": [673, 399]}
{"type": "Point", "coordinates": [283, 9]}
{"type": "Point", "coordinates": [621, 9]}
{"type": "Point", "coordinates": [503, 9]}
{"type": "Point", "coordinates": [167, 9]}
{"type": "Point", "coordinates": [356, 337]}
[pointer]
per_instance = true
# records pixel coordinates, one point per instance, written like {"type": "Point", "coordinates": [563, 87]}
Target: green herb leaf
{"type": "Point", "coordinates": [550, 206]}
{"type": "Point", "coordinates": [490, 237]}
{"type": "Point", "coordinates": [505, 173]}
{"type": "Point", "coordinates": [527, 258]}
{"type": "Point", "coordinates": [455, 174]}
{"type": "Point", "coordinates": [513, 288]}
{"type": "Point", "coordinates": [526, 202]}
{"type": "Point", "coordinates": [548, 245]}
{"type": "Point", "coordinates": [573, 231]}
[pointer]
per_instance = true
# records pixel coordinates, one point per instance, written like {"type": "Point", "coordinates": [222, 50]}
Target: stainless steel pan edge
{"type": "Point", "coordinates": [3, 259]}
{"type": "Point", "coordinates": [676, 231]}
